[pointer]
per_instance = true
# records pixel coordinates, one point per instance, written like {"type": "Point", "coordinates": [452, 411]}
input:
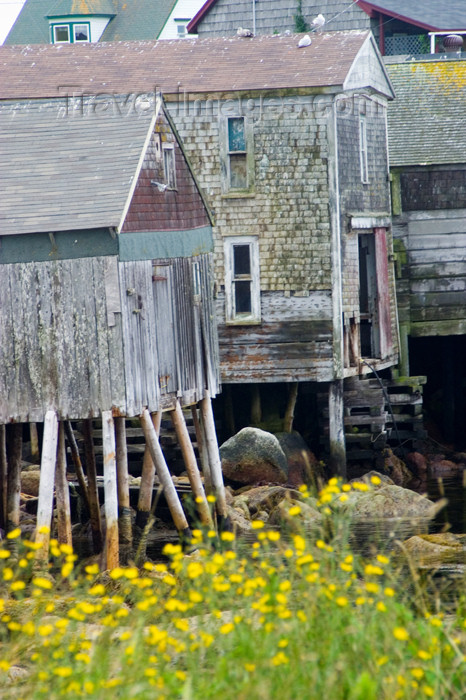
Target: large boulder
{"type": "Point", "coordinates": [436, 550]}
{"type": "Point", "coordinates": [389, 501]}
{"type": "Point", "coordinates": [254, 456]}
{"type": "Point", "coordinates": [30, 482]}
{"type": "Point", "coordinates": [303, 465]}
{"type": "Point", "coordinates": [307, 519]}
{"type": "Point", "coordinates": [396, 469]}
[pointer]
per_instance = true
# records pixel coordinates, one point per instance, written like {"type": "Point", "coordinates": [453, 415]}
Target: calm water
{"type": "Point", "coordinates": [455, 512]}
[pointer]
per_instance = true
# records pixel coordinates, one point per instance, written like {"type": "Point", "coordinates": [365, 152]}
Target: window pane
{"type": "Point", "coordinates": [243, 297]}
{"type": "Point", "coordinates": [241, 260]}
{"type": "Point", "coordinates": [62, 34]}
{"type": "Point", "coordinates": [236, 140]}
{"type": "Point", "coordinates": [169, 166]}
{"type": "Point", "coordinates": [81, 32]}
{"type": "Point", "coordinates": [238, 172]}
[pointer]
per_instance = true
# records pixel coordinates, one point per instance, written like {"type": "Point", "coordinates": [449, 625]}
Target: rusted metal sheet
{"type": "Point", "coordinates": [383, 288]}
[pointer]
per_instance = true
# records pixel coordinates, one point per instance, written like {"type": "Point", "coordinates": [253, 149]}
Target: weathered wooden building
{"type": "Point", "coordinates": [106, 306]}
{"type": "Point", "coordinates": [427, 136]}
{"type": "Point", "coordinates": [290, 146]}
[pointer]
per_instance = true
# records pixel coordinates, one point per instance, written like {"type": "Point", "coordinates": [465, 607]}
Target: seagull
{"type": "Point", "coordinates": [318, 22]}
{"type": "Point", "coordinates": [244, 32]}
{"type": "Point", "coordinates": [304, 41]}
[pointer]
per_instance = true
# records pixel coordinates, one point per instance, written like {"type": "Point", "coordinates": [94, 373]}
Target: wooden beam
{"type": "Point", "coordinates": [202, 448]}
{"type": "Point", "coordinates": [190, 462]}
{"type": "Point", "coordinates": [14, 441]}
{"type": "Point", "coordinates": [147, 477]}
{"type": "Point", "coordinates": [93, 494]}
{"type": "Point", "coordinates": [214, 456]}
{"type": "Point", "coordinates": [3, 478]}
{"type": "Point", "coordinates": [110, 489]}
{"type": "Point", "coordinates": [46, 484]}
{"type": "Point", "coordinates": [78, 467]}
{"type": "Point", "coordinates": [164, 475]}
{"type": "Point", "coordinates": [62, 491]}
{"type": "Point", "coordinates": [124, 508]}
{"type": "Point", "coordinates": [336, 429]}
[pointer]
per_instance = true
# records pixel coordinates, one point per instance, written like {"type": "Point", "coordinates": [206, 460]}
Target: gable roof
{"type": "Point", "coordinates": [65, 8]}
{"type": "Point", "coordinates": [198, 66]}
{"type": "Point", "coordinates": [65, 169]}
{"type": "Point", "coordinates": [427, 122]}
{"type": "Point", "coordinates": [428, 14]}
{"type": "Point", "coordinates": [132, 19]}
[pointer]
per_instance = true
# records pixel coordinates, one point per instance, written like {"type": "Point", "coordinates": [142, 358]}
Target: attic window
{"type": "Point", "coordinates": [169, 167]}
{"type": "Point", "coordinates": [363, 150]}
{"type": "Point", "coordinates": [237, 153]}
{"type": "Point", "coordinates": [71, 33]}
{"type": "Point", "coordinates": [181, 28]}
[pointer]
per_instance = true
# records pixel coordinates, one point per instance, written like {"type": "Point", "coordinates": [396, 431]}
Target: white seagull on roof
{"type": "Point", "coordinates": [318, 22]}
{"type": "Point", "coordinates": [244, 32]}
{"type": "Point", "coordinates": [304, 41]}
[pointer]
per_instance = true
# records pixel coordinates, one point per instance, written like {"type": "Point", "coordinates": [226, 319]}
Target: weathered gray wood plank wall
{"type": "Point", "coordinates": [86, 335]}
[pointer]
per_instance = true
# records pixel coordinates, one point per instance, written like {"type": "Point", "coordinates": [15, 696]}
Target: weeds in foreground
{"type": "Point", "coordinates": [286, 616]}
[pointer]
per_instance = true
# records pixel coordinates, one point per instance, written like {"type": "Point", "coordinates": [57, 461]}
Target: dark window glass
{"type": "Point", "coordinates": [62, 34]}
{"type": "Point", "coordinates": [243, 297]}
{"type": "Point", "coordinates": [81, 32]}
{"type": "Point", "coordinates": [238, 171]}
{"type": "Point", "coordinates": [236, 138]}
{"type": "Point", "coordinates": [242, 261]}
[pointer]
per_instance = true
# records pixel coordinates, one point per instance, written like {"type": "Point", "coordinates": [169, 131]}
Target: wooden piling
{"type": "Point", "coordinates": [93, 494]}
{"type": "Point", "coordinates": [34, 438]}
{"type": "Point", "coordinates": [164, 475]}
{"type": "Point", "coordinates": [14, 442]}
{"type": "Point", "coordinates": [124, 508]}
{"type": "Point", "coordinates": [214, 456]}
{"type": "Point", "coordinates": [46, 484]}
{"type": "Point", "coordinates": [110, 490]}
{"type": "Point", "coordinates": [147, 477]}
{"type": "Point", "coordinates": [202, 448]}
{"type": "Point", "coordinates": [337, 461]}
{"type": "Point", "coordinates": [290, 408]}
{"type": "Point", "coordinates": [3, 478]}
{"type": "Point", "coordinates": [62, 492]}
{"type": "Point", "coordinates": [189, 457]}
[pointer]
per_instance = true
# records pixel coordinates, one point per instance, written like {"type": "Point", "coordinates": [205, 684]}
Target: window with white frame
{"type": "Point", "coordinates": [363, 149]}
{"type": "Point", "coordinates": [237, 154]}
{"type": "Point", "coordinates": [242, 279]}
{"type": "Point", "coordinates": [61, 34]}
{"type": "Point", "coordinates": [71, 33]}
{"type": "Point", "coordinates": [169, 167]}
{"type": "Point", "coordinates": [182, 28]}
{"type": "Point", "coordinates": [81, 32]}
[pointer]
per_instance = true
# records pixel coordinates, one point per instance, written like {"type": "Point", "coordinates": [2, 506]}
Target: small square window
{"type": "Point", "coordinates": [181, 30]}
{"type": "Point", "coordinates": [81, 32]}
{"type": "Point", "coordinates": [61, 34]}
{"type": "Point", "coordinates": [242, 283]}
{"type": "Point", "coordinates": [169, 168]}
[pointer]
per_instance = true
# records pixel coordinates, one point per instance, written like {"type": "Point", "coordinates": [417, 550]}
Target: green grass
{"type": "Point", "coordinates": [285, 617]}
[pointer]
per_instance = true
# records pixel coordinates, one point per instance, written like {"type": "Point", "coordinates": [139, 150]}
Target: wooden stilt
{"type": "Point", "coordinates": [336, 429]}
{"type": "Point", "coordinates": [147, 477]}
{"type": "Point", "coordinates": [46, 485]}
{"type": "Point", "coordinates": [256, 407]}
{"type": "Point", "coordinates": [214, 456]}
{"type": "Point", "coordinates": [62, 491]}
{"type": "Point", "coordinates": [202, 448]}
{"type": "Point", "coordinates": [78, 467]}
{"type": "Point", "coordinates": [3, 478]}
{"type": "Point", "coordinates": [93, 494]}
{"type": "Point", "coordinates": [190, 462]}
{"type": "Point", "coordinates": [14, 441]}
{"type": "Point", "coordinates": [163, 473]}
{"type": "Point", "coordinates": [34, 438]}
{"type": "Point", "coordinates": [124, 508]}
{"type": "Point", "coordinates": [290, 407]}
{"type": "Point", "coordinates": [110, 489]}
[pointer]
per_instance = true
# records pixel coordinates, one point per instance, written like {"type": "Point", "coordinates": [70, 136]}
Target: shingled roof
{"type": "Point", "coordinates": [65, 170]}
{"type": "Point", "coordinates": [199, 65]}
{"type": "Point", "coordinates": [132, 19]}
{"type": "Point", "coordinates": [427, 122]}
{"type": "Point", "coordinates": [428, 14]}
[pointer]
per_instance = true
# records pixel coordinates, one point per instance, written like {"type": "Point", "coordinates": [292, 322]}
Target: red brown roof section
{"type": "Point", "coordinates": [172, 210]}
{"type": "Point", "coordinates": [198, 65]}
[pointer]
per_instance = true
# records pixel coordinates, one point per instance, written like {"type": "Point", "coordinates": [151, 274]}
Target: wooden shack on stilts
{"type": "Point", "coordinates": [106, 307]}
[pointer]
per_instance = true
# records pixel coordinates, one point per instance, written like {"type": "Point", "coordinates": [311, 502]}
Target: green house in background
{"type": "Point", "coordinates": [80, 21]}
